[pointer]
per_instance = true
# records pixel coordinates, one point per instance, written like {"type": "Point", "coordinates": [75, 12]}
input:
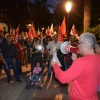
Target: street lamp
{"type": "Point", "coordinates": [68, 9]}
{"type": "Point", "coordinates": [29, 25]}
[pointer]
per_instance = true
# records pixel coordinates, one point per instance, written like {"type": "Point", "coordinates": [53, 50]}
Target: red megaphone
{"type": "Point", "coordinates": [66, 48]}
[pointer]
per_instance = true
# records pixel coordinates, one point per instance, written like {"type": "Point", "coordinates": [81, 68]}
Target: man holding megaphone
{"type": "Point", "coordinates": [84, 73]}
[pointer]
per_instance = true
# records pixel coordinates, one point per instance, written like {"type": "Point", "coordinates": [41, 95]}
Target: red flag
{"type": "Point", "coordinates": [51, 29]}
{"type": "Point", "coordinates": [48, 31]}
{"type": "Point", "coordinates": [74, 31]}
{"type": "Point", "coordinates": [13, 31]}
{"type": "Point", "coordinates": [30, 36]}
{"type": "Point", "coordinates": [31, 33]}
{"type": "Point", "coordinates": [17, 33]}
{"type": "Point", "coordinates": [33, 30]}
{"type": "Point", "coordinates": [1, 28]}
{"type": "Point", "coordinates": [60, 36]}
{"type": "Point", "coordinates": [63, 28]}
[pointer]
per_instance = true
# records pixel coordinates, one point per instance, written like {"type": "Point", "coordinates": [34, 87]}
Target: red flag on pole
{"type": "Point", "coordinates": [30, 36]}
{"type": "Point", "coordinates": [13, 31]}
{"type": "Point", "coordinates": [33, 30]}
{"type": "Point", "coordinates": [1, 28]}
{"type": "Point", "coordinates": [48, 31]}
{"type": "Point", "coordinates": [51, 29]}
{"type": "Point", "coordinates": [31, 33]}
{"type": "Point", "coordinates": [74, 31]}
{"type": "Point", "coordinates": [60, 36]}
{"type": "Point", "coordinates": [63, 28]}
{"type": "Point", "coordinates": [16, 34]}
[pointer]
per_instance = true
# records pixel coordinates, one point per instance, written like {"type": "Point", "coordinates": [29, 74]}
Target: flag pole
{"type": "Point", "coordinates": [4, 61]}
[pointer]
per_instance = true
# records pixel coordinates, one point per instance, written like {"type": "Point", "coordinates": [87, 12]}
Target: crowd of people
{"type": "Point", "coordinates": [81, 70]}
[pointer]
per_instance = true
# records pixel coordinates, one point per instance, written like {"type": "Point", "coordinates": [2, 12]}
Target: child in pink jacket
{"type": "Point", "coordinates": [36, 73]}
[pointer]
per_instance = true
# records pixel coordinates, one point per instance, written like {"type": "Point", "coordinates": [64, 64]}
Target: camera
{"type": "Point", "coordinates": [39, 47]}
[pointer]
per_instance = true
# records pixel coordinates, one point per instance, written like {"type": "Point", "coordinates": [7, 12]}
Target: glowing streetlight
{"type": "Point", "coordinates": [29, 25]}
{"type": "Point", "coordinates": [68, 6]}
{"type": "Point", "coordinates": [68, 9]}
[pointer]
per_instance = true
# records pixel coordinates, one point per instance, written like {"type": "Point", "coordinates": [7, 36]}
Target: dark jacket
{"type": "Point", "coordinates": [9, 51]}
{"type": "Point", "coordinates": [2, 41]}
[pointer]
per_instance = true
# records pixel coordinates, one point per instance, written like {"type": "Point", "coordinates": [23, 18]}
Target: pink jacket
{"type": "Point", "coordinates": [37, 70]}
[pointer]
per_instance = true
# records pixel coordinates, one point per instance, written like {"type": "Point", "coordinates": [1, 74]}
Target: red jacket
{"type": "Point", "coordinates": [19, 50]}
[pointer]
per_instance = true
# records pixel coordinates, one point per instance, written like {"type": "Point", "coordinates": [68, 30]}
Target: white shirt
{"type": "Point", "coordinates": [53, 46]}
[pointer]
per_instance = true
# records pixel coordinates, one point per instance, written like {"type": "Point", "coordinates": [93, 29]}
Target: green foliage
{"type": "Point", "coordinates": [75, 16]}
{"type": "Point", "coordinates": [95, 15]}
{"type": "Point", "coordinates": [40, 14]}
{"type": "Point", "coordinates": [95, 31]}
{"type": "Point", "coordinates": [23, 12]}
{"type": "Point", "coordinates": [14, 12]}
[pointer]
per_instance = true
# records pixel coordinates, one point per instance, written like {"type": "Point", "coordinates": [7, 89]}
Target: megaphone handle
{"type": "Point", "coordinates": [74, 50]}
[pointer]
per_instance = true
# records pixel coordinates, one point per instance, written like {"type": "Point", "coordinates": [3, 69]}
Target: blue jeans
{"type": "Point", "coordinates": [18, 65]}
{"type": "Point", "coordinates": [49, 69]}
{"type": "Point", "coordinates": [9, 63]}
{"type": "Point", "coordinates": [35, 78]}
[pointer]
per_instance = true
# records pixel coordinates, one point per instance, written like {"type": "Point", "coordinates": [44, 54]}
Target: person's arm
{"type": "Point", "coordinates": [2, 53]}
{"type": "Point", "coordinates": [2, 49]}
{"type": "Point", "coordinates": [15, 53]}
{"type": "Point", "coordinates": [73, 72]}
{"type": "Point", "coordinates": [48, 49]}
{"type": "Point", "coordinates": [34, 71]}
{"type": "Point", "coordinates": [19, 47]}
{"type": "Point", "coordinates": [31, 51]}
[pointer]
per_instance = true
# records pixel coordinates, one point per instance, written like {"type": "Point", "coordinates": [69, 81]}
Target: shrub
{"type": "Point", "coordinates": [95, 31]}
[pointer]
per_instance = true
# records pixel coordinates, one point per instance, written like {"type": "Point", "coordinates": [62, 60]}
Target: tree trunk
{"type": "Point", "coordinates": [87, 14]}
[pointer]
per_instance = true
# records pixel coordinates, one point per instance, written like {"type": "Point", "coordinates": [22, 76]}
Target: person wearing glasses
{"type": "Point", "coordinates": [97, 49]}
{"type": "Point", "coordinates": [84, 73]}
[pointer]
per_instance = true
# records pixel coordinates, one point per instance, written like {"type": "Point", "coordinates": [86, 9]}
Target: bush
{"type": "Point", "coordinates": [95, 31]}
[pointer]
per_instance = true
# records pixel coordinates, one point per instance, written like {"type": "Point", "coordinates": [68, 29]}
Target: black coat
{"type": "Point", "coordinates": [60, 56]}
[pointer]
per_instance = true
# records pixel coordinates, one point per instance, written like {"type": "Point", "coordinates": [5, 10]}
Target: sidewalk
{"type": "Point", "coordinates": [51, 89]}
{"type": "Point", "coordinates": [10, 91]}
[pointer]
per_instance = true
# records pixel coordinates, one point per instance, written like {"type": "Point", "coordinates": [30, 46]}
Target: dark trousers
{"type": "Point", "coordinates": [9, 62]}
{"type": "Point", "coordinates": [1, 65]}
{"type": "Point", "coordinates": [18, 65]}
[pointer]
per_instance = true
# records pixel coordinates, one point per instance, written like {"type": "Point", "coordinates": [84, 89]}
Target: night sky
{"type": "Point", "coordinates": [53, 2]}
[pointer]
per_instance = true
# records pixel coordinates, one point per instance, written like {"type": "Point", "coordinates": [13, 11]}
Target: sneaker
{"type": "Point", "coordinates": [32, 83]}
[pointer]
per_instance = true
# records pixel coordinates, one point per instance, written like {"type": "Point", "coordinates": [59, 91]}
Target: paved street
{"type": "Point", "coordinates": [51, 89]}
